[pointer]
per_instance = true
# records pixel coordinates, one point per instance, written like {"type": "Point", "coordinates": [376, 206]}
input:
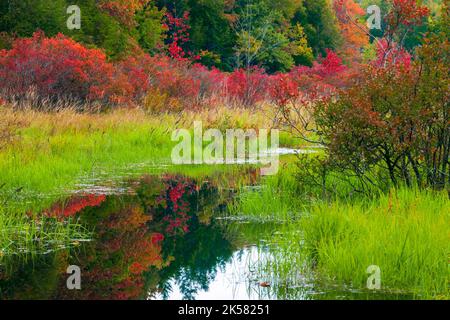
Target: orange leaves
{"type": "Point", "coordinates": [352, 29]}
{"type": "Point", "coordinates": [123, 10]}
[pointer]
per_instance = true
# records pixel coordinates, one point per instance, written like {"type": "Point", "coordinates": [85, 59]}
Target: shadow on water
{"type": "Point", "coordinates": [162, 239]}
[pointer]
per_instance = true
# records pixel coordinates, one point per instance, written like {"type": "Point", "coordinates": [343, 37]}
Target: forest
{"type": "Point", "coordinates": [353, 93]}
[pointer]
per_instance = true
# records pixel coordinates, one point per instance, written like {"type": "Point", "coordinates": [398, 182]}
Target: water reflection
{"type": "Point", "coordinates": [161, 232]}
{"type": "Point", "coordinates": [165, 238]}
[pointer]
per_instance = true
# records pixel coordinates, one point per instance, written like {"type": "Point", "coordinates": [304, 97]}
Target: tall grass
{"type": "Point", "coordinates": [406, 233]}
{"type": "Point", "coordinates": [277, 198]}
{"type": "Point", "coordinates": [50, 151]}
{"type": "Point", "coordinates": [45, 156]}
{"type": "Point", "coordinates": [21, 235]}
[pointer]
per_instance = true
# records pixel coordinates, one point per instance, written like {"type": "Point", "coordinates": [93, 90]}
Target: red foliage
{"type": "Point", "coordinates": [406, 12]}
{"type": "Point", "coordinates": [59, 67]}
{"type": "Point", "coordinates": [403, 15]}
{"type": "Point", "coordinates": [247, 87]}
{"type": "Point", "coordinates": [322, 79]}
{"type": "Point", "coordinates": [173, 78]}
{"type": "Point", "coordinates": [132, 77]}
{"type": "Point", "coordinates": [75, 205]}
{"type": "Point", "coordinates": [55, 67]}
{"type": "Point", "coordinates": [178, 36]}
{"type": "Point", "coordinates": [395, 57]}
{"type": "Point", "coordinates": [283, 89]}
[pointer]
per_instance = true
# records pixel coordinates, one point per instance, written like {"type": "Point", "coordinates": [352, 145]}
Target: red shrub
{"type": "Point", "coordinates": [56, 67]}
{"type": "Point", "coordinates": [283, 89]}
{"type": "Point", "coordinates": [247, 87]}
{"type": "Point", "coordinates": [132, 76]}
{"type": "Point", "coordinates": [323, 78]}
{"type": "Point", "coordinates": [211, 83]}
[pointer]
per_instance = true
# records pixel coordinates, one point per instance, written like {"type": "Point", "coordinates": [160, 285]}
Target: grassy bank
{"type": "Point", "coordinates": [44, 156]}
{"type": "Point", "coordinates": [276, 199]}
{"type": "Point", "coordinates": [44, 152]}
{"type": "Point", "coordinates": [405, 232]}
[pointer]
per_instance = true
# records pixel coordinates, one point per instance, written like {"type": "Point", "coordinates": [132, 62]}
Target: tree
{"type": "Point", "coordinates": [354, 37]}
{"type": "Point", "coordinates": [149, 29]}
{"type": "Point", "coordinates": [394, 120]}
{"type": "Point", "coordinates": [211, 32]}
{"type": "Point", "coordinates": [402, 17]}
{"type": "Point", "coordinates": [319, 23]}
{"type": "Point", "coordinates": [298, 46]}
{"type": "Point", "coordinates": [261, 41]}
{"type": "Point", "coordinates": [114, 25]}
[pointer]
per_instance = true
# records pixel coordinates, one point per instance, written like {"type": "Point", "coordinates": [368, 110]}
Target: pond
{"type": "Point", "coordinates": [162, 236]}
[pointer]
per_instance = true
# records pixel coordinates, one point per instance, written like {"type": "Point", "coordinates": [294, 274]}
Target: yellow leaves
{"type": "Point", "coordinates": [299, 42]}
{"type": "Point", "coordinates": [248, 44]}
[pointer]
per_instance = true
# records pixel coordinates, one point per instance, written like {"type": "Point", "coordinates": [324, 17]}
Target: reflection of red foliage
{"type": "Point", "coordinates": [157, 238]}
{"type": "Point", "coordinates": [75, 205]}
{"type": "Point", "coordinates": [406, 12]}
{"type": "Point", "coordinates": [125, 250]}
{"type": "Point", "coordinates": [176, 205]}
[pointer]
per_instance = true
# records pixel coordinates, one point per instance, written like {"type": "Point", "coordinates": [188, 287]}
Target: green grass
{"type": "Point", "coordinates": [21, 235]}
{"type": "Point", "coordinates": [406, 233]}
{"type": "Point", "coordinates": [46, 160]}
{"type": "Point", "coordinates": [44, 156]}
{"type": "Point", "coordinates": [277, 198]}
{"type": "Point", "coordinates": [52, 152]}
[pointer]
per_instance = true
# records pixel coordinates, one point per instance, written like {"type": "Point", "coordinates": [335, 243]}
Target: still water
{"type": "Point", "coordinates": [160, 237]}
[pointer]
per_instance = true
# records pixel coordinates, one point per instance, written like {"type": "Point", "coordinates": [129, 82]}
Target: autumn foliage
{"type": "Point", "coordinates": [55, 67]}
{"type": "Point", "coordinates": [58, 68]}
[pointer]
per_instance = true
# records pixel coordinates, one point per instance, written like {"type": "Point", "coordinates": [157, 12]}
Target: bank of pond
{"type": "Point", "coordinates": [226, 234]}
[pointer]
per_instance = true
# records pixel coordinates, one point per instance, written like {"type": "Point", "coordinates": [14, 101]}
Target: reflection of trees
{"type": "Point", "coordinates": [198, 256]}
{"type": "Point", "coordinates": [125, 248]}
{"type": "Point", "coordinates": [161, 230]}
{"type": "Point", "coordinates": [27, 280]}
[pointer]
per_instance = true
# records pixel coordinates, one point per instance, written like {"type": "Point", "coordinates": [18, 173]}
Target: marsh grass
{"type": "Point", "coordinates": [26, 237]}
{"type": "Point", "coordinates": [276, 199]}
{"type": "Point", "coordinates": [45, 156]}
{"type": "Point", "coordinates": [52, 150]}
{"type": "Point", "coordinates": [333, 241]}
{"type": "Point", "coordinates": [405, 233]}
